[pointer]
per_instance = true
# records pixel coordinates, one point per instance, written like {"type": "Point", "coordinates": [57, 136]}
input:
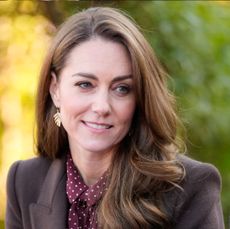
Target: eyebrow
{"type": "Point", "coordinates": [92, 76]}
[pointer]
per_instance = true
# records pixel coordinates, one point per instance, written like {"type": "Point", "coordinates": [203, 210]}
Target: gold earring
{"type": "Point", "coordinates": [57, 118]}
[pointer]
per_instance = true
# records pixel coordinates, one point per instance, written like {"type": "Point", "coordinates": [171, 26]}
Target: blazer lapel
{"type": "Point", "coordinates": [50, 211]}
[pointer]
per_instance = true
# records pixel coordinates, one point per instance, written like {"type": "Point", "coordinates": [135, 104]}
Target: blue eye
{"type": "Point", "coordinates": [122, 90]}
{"type": "Point", "coordinates": [84, 85]}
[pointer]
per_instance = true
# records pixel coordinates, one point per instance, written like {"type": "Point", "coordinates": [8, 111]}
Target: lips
{"type": "Point", "coordinates": [98, 126]}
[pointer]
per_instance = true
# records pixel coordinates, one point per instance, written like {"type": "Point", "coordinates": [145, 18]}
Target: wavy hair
{"type": "Point", "coordinates": [144, 166]}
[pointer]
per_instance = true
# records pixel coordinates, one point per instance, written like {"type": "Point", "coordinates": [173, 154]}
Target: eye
{"type": "Point", "coordinates": [122, 90]}
{"type": "Point", "coordinates": [84, 85]}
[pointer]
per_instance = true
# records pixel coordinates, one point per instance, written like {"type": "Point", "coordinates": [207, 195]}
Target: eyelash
{"type": "Point", "coordinates": [123, 87]}
{"type": "Point", "coordinates": [84, 85]}
{"type": "Point", "coordinates": [119, 90]}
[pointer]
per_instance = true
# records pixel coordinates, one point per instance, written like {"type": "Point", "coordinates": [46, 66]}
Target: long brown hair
{"type": "Point", "coordinates": [145, 164]}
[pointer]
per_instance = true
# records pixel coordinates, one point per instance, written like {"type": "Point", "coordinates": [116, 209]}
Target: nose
{"type": "Point", "coordinates": [101, 103]}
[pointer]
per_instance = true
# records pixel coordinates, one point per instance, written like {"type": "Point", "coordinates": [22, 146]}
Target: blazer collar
{"type": "Point", "coordinates": [51, 209]}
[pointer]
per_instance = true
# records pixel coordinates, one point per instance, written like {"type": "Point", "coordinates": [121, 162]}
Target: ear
{"type": "Point", "coordinates": [54, 90]}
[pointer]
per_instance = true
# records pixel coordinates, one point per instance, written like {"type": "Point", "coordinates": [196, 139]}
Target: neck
{"type": "Point", "coordinates": [91, 165]}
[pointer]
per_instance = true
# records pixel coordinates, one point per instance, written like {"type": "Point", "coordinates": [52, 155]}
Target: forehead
{"type": "Point", "coordinates": [100, 56]}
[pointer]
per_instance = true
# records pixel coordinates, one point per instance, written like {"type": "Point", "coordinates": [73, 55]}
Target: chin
{"type": "Point", "coordinates": [97, 148]}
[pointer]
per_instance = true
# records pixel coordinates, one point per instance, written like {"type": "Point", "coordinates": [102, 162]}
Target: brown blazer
{"type": "Point", "coordinates": [36, 197]}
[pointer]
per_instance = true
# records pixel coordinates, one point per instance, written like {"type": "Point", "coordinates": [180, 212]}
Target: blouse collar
{"type": "Point", "coordinates": [77, 189]}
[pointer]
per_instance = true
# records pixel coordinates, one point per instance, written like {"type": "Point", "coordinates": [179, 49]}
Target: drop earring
{"type": "Point", "coordinates": [57, 118]}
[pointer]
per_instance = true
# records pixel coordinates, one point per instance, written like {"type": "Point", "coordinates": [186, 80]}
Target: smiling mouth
{"type": "Point", "coordinates": [97, 125]}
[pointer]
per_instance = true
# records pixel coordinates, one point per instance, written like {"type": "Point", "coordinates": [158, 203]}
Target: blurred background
{"type": "Point", "coordinates": [191, 38]}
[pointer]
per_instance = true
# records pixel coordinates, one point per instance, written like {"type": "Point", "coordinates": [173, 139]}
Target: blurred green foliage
{"type": "Point", "coordinates": [191, 38]}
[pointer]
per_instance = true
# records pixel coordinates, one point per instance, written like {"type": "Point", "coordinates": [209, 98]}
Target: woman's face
{"type": "Point", "coordinates": [95, 95]}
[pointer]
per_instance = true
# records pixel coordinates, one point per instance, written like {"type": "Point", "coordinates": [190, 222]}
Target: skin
{"type": "Point", "coordinates": [95, 95]}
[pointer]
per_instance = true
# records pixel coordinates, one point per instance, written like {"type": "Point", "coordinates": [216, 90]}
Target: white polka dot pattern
{"type": "Point", "coordinates": [82, 198]}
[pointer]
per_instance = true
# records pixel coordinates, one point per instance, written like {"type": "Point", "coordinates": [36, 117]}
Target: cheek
{"type": "Point", "coordinates": [70, 105]}
{"type": "Point", "coordinates": [126, 112]}
{"type": "Point", "coordinates": [66, 105]}
{"type": "Point", "coordinates": [69, 99]}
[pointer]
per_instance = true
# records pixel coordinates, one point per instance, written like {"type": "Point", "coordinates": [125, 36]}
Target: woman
{"type": "Point", "coordinates": [106, 139]}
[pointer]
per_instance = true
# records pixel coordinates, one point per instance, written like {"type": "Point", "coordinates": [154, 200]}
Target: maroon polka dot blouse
{"type": "Point", "coordinates": [83, 199]}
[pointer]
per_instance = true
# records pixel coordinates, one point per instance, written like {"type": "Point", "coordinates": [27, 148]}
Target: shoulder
{"type": "Point", "coordinates": [31, 163]}
{"type": "Point", "coordinates": [34, 167]}
{"type": "Point", "coordinates": [26, 177]}
{"type": "Point", "coordinates": [24, 185]}
{"type": "Point", "coordinates": [198, 200]}
{"type": "Point", "coordinates": [199, 173]}
{"type": "Point", "coordinates": [200, 179]}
